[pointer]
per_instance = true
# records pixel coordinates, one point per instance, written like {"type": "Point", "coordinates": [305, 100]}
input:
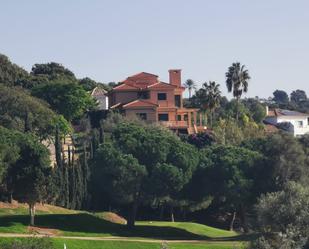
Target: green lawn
{"type": "Point", "coordinates": [85, 244]}
{"type": "Point", "coordinates": [87, 224]}
{"type": "Point", "coordinates": [73, 223]}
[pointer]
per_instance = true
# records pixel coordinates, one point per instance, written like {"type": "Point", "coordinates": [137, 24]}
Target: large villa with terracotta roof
{"type": "Point", "coordinates": [145, 96]}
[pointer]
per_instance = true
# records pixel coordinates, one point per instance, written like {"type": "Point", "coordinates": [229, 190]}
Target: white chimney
{"type": "Point", "coordinates": [267, 110]}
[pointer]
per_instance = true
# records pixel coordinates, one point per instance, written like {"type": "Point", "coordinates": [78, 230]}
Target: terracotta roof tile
{"type": "Point", "coordinates": [139, 103]}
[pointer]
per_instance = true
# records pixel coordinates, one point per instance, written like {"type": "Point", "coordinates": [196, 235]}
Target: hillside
{"type": "Point", "coordinates": [67, 226]}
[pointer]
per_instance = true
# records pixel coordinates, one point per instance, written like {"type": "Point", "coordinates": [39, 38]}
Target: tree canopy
{"type": "Point", "coordinates": [68, 99]}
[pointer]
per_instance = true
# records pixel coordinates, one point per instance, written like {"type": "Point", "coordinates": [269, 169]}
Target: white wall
{"type": "Point", "coordinates": [297, 129]}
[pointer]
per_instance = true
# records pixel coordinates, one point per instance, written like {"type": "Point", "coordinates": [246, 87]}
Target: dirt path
{"type": "Point", "coordinates": [114, 238]}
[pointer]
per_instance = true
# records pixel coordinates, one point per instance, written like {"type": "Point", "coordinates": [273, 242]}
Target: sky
{"type": "Point", "coordinates": [111, 40]}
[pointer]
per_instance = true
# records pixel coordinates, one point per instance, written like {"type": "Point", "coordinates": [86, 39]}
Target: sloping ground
{"type": "Point", "coordinates": [107, 230]}
{"type": "Point", "coordinates": [194, 228]}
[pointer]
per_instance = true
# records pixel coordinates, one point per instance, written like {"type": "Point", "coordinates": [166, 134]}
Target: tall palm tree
{"type": "Point", "coordinates": [190, 84]}
{"type": "Point", "coordinates": [212, 97]}
{"type": "Point", "coordinates": [237, 78]}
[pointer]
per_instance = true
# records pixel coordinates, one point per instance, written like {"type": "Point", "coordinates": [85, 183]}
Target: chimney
{"type": "Point", "coordinates": [175, 77]}
{"type": "Point", "coordinates": [267, 110]}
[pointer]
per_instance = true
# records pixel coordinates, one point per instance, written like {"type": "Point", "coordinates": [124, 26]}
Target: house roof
{"type": "Point", "coordinates": [288, 113]}
{"type": "Point", "coordinates": [125, 86]}
{"type": "Point", "coordinates": [139, 103]}
{"type": "Point", "coordinates": [98, 91]}
{"type": "Point", "coordinates": [160, 85]}
{"type": "Point", "coordinates": [142, 74]}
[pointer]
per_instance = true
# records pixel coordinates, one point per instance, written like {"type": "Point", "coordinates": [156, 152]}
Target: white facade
{"type": "Point", "coordinates": [296, 123]}
{"type": "Point", "coordinates": [101, 97]}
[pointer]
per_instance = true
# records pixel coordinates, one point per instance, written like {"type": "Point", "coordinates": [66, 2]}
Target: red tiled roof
{"type": "Point", "coordinates": [125, 86]}
{"type": "Point", "coordinates": [139, 103]}
{"type": "Point", "coordinates": [161, 85]}
{"type": "Point", "coordinates": [142, 74]}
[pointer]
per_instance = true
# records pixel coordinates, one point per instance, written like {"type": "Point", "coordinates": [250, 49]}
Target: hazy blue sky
{"type": "Point", "coordinates": [110, 40]}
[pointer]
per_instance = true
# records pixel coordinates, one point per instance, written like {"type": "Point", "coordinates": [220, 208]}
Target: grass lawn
{"type": "Point", "coordinates": [75, 223]}
{"type": "Point", "coordinates": [83, 244]}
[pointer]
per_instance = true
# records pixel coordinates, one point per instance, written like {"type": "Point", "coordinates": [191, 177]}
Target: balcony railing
{"type": "Point", "coordinates": [172, 124]}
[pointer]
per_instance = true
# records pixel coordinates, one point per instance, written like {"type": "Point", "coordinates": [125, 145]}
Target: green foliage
{"type": "Point", "coordinates": [143, 162]}
{"type": "Point", "coordinates": [280, 97]}
{"type": "Point", "coordinates": [27, 173]}
{"type": "Point", "coordinates": [9, 151]}
{"type": "Point", "coordinates": [53, 71]}
{"type": "Point", "coordinates": [226, 173]}
{"type": "Point", "coordinates": [20, 111]}
{"type": "Point", "coordinates": [283, 218]}
{"type": "Point", "coordinates": [298, 96]}
{"type": "Point", "coordinates": [190, 85]}
{"type": "Point", "coordinates": [202, 139]}
{"type": "Point", "coordinates": [284, 161]}
{"type": "Point", "coordinates": [33, 243]}
{"type": "Point", "coordinates": [68, 99]}
{"type": "Point", "coordinates": [10, 74]}
{"type": "Point", "coordinates": [120, 175]}
{"type": "Point", "coordinates": [88, 84]}
{"type": "Point", "coordinates": [257, 111]}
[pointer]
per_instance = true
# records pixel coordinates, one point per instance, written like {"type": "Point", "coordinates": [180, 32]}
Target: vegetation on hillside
{"type": "Point", "coordinates": [234, 175]}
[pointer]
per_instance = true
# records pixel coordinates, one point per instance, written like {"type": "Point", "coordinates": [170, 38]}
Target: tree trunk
{"type": "Point", "coordinates": [184, 214]}
{"type": "Point", "coordinates": [132, 215]}
{"type": "Point", "coordinates": [32, 213]}
{"type": "Point", "coordinates": [162, 212]}
{"type": "Point", "coordinates": [243, 218]}
{"type": "Point", "coordinates": [172, 214]}
{"type": "Point", "coordinates": [10, 198]}
{"type": "Point", "coordinates": [232, 222]}
{"type": "Point", "coordinates": [237, 110]}
{"type": "Point", "coordinates": [211, 118]}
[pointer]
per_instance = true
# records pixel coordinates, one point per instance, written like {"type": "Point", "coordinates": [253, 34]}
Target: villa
{"type": "Point", "coordinates": [294, 122]}
{"type": "Point", "coordinates": [145, 96]}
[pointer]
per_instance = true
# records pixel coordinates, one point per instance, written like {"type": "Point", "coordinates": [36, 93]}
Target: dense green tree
{"type": "Point", "coordinates": [256, 110]}
{"type": "Point", "coordinates": [226, 173]}
{"type": "Point", "coordinates": [21, 111]}
{"type": "Point", "coordinates": [190, 85]}
{"type": "Point", "coordinates": [164, 163]}
{"type": "Point", "coordinates": [88, 84]}
{"type": "Point", "coordinates": [281, 97]}
{"type": "Point", "coordinates": [201, 139]}
{"type": "Point", "coordinates": [211, 96]}
{"type": "Point", "coordinates": [237, 80]}
{"type": "Point", "coordinates": [120, 176]}
{"type": "Point", "coordinates": [283, 218]}
{"type": "Point", "coordinates": [9, 152]}
{"type": "Point", "coordinates": [10, 74]}
{"type": "Point", "coordinates": [298, 96]}
{"type": "Point", "coordinates": [284, 160]}
{"type": "Point", "coordinates": [29, 174]}
{"type": "Point", "coordinates": [54, 72]}
{"type": "Point", "coordinates": [68, 99]}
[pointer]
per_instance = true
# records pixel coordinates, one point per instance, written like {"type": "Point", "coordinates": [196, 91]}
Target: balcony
{"type": "Point", "coordinates": [175, 124]}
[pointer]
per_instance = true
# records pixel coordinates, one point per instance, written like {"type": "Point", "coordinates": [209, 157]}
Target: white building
{"type": "Point", "coordinates": [294, 122]}
{"type": "Point", "coordinates": [101, 96]}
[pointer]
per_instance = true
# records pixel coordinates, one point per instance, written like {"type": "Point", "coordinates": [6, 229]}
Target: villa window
{"type": "Point", "coordinates": [161, 96]}
{"type": "Point", "coordinates": [143, 95]}
{"type": "Point", "coordinates": [142, 116]}
{"type": "Point", "coordinates": [300, 124]}
{"type": "Point", "coordinates": [178, 117]}
{"type": "Point", "coordinates": [177, 100]}
{"type": "Point", "coordinates": [163, 117]}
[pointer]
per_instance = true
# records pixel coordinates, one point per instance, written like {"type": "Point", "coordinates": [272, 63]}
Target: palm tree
{"type": "Point", "coordinates": [212, 98]}
{"type": "Point", "coordinates": [190, 84]}
{"type": "Point", "coordinates": [237, 78]}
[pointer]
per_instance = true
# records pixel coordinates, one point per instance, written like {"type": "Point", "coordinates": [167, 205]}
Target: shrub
{"type": "Point", "coordinates": [32, 243]}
